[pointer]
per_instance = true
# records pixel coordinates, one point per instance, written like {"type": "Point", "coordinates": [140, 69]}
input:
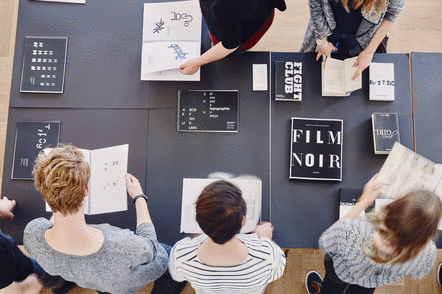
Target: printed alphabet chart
{"type": "Point", "coordinates": [31, 138]}
{"type": "Point", "coordinates": [171, 37]}
{"type": "Point", "coordinates": [44, 65]}
{"type": "Point", "coordinates": [208, 111]}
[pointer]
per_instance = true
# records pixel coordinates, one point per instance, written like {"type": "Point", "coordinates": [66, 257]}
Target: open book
{"type": "Point", "coordinates": [192, 188]}
{"type": "Point", "coordinates": [171, 37]}
{"type": "Point", "coordinates": [107, 185]}
{"type": "Point", "coordinates": [336, 77]}
{"type": "Point", "coordinates": [404, 171]}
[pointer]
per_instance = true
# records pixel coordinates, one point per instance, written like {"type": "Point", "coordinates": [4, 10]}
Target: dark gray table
{"type": "Point", "coordinates": [84, 128]}
{"type": "Point", "coordinates": [427, 104]}
{"type": "Point", "coordinates": [301, 209]}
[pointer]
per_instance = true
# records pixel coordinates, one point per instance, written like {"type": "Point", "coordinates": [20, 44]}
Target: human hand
{"type": "Point", "coordinates": [264, 229]}
{"type": "Point", "coordinates": [324, 49]}
{"type": "Point", "coordinates": [31, 285]}
{"type": "Point", "coordinates": [6, 207]}
{"type": "Point", "coordinates": [362, 62]}
{"type": "Point", "coordinates": [371, 191]}
{"type": "Point", "coordinates": [189, 68]}
{"type": "Point", "coordinates": [133, 186]}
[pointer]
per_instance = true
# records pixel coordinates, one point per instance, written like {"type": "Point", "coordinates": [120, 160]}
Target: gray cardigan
{"type": "Point", "coordinates": [322, 22]}
{"type": "Point", "coordinates": [124, 264]}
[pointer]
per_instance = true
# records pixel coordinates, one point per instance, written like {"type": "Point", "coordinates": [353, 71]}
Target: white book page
{"type": "Point", "coordinates": [65, 1]}
{"type": "Point", "coordinates": [159, 56]}
{"type": "Point", "coordinates": [333, 78]}
{"type": "Point", "coordinates": [349, 71]}
{"type": "Point", "coordinates": [344, 209]}
{"type": "Point", "coordinates": [192, 188]}
{"type": "Point", "coordinates": [381, 81]}
{"type": "Point", "coordinates": [405, 171]}
{"type": "Point", "coordinates": [108, 187]}
{"type": "Point", "coordinates": [172, 21]}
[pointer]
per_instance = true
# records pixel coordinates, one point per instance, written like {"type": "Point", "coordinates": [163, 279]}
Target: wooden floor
{"type": "Point", "coordinates": [419, 29]}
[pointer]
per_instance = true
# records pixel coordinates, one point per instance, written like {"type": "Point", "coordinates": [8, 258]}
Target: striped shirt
{"type": "Point", "coordinates": [264, 264]}
{"type": "Point", "coordinates": [343, 241]}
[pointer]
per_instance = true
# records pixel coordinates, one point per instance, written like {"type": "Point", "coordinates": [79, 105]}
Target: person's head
{"type": "Point", "coordinates": [62, 176]}
{"type": "Point", "coordinates": [220, 210]}
{"type": "Point", "coordinates": [408, 224]}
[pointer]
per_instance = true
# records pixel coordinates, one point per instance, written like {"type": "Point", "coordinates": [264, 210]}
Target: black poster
{"type": "Point", "coordinates": [288, 81]}
{"type": "Point", "coordinates": [208, 111]}
{"type": "Point", "coordinates": [44, 65]}
{"type": "Point", "coordinates": [31, 138]}
{"type": "Point", "coordinates": [316, 149]}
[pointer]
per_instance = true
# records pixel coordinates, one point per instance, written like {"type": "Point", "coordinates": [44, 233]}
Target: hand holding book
{"type": "Point", "coordinates": [371, 191]}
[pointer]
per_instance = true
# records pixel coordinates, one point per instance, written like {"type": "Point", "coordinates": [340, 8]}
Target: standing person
{"type": "Point", "coordinates": [355, 27]}
{"type": "Point", "coordinates": [364, 253]}
{"type": "Point", "coordinates": [100, 257]}
{"type": "Point", "coordinates": [223, 261]}
{"type": "Point", "coordinates": [233, 25]}
{"type": "Point", "coordinates": [19, 273]}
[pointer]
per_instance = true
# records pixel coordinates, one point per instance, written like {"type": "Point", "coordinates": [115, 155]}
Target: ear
{"type": "Point", "coordinates": [86, 190]}
{"type": "Point", "coordinates": [243, 221]}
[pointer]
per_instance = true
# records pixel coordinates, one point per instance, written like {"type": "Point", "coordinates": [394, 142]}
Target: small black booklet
{"type": "Point", "coordinates": [316, 149]}
{"type": "Point", "coordinates": [208, 111]}
{"type": "Point", "coordinates": [30, 139]}
{"type": "Point", "coordinates": [44, 65]}
{"type": "Point", "coordinates": [288, 81]}
{"type": "Point", "coordinates": [385, 131]}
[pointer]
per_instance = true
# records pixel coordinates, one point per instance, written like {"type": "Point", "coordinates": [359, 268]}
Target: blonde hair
{"type": "Point", "coordinates": [61, 176]}
{"type": "Point", "coordinates": [407, 224]}
{"type": "Point", "coordinates": [379, 6]}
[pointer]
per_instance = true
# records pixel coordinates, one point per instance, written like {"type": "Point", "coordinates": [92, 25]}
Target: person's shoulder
{"type": "Point", "coordinates": [40, 224]}
{"type": "Point", "coordinates": [255, 243]}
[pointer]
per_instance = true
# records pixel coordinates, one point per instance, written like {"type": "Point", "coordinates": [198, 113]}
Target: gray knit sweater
{"type": "Point", "coordinates": [125, 263]}
{"type": "Point", "coordinates": [322, 22]}
{"type": "Point", "coordinates": [343, 241]}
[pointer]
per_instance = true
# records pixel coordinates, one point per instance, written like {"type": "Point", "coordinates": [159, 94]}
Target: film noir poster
{"type": "Point", "coordinates": [316, 149]}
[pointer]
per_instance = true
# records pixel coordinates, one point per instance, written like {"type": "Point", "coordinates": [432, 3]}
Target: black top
{"type": "Point", "coordinates": [233, 22]}
{"type": "Point", "coordinates": [346, 22]}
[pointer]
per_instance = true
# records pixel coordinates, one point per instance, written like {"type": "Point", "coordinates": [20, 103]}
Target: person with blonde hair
{"type": "Point", "coordinates": [222, 260]}
{"type": "Point", "coordinates": [355, 27]}
{"type": "Point", "coordinates": [100, 257]}
{"type": "Point", "coordinates": [362, 253]}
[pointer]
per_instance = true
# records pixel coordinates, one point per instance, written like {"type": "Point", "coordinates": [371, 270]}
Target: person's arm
{"type": "Point", "coordinates": [6, 207]}
{"type": "Point", "coordinates": [215, 53]}
{"type": "Point", "coordinates": [364, 58]}
{"type": "Point", "coordinates": [371, 191]}
{"type": "Point", "coordinates": [134, 189]}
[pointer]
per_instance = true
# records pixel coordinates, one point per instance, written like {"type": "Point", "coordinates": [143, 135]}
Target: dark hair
{"type": "Point", "coordinates": [220, 209]}
{"type": "Point", "coordinates": [408, 224]}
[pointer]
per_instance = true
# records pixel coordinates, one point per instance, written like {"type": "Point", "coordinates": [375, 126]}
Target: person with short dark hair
{"type": "Point", "coordinates": [362, 253]}
{"type": "Point", "coordinates": [222, 260]}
